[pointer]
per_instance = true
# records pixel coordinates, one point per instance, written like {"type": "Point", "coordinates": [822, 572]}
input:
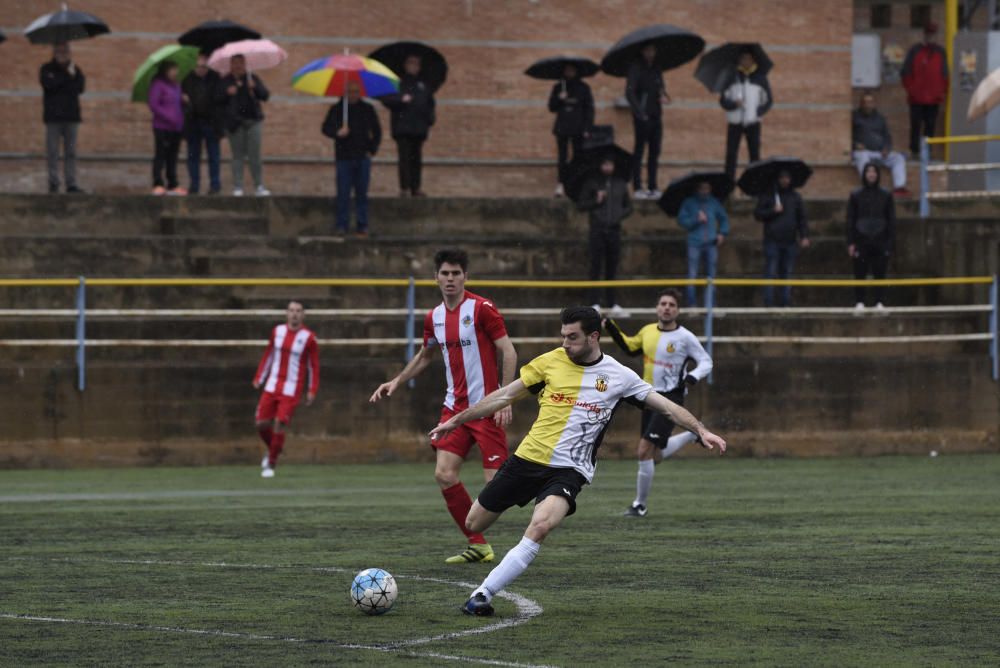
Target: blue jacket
{"type": "Point", "coordinates": [703, 235]}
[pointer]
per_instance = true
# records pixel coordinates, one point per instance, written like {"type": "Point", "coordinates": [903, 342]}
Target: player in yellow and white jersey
{"type": "Point", "coordinates": [579, 389]}
{"type": "Point", "coordinates": [666, 348]}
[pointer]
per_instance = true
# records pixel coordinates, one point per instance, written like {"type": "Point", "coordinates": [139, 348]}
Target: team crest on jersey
{"type": "Point", "coordinates": [671, 348]}
{"type": "Point", "coordinates": [601, 385]}
{"type": "Point", "coordinates": [467, 320]}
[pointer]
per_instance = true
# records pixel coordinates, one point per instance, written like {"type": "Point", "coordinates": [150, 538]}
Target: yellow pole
{"type": "Point", "coordinates": [950, 29]}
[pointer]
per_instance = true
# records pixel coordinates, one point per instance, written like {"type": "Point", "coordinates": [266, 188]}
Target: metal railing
{"type": "Point", "coordinates": [926, 194]}
{"type": "Point", "coordinates": [709, 313]}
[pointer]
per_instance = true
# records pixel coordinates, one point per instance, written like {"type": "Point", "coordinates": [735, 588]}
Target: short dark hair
{"type": "Point", "coordinates": [587, 316]}
{"type": "Point", "coordinates": [296, 301]}
{"type": "Point", "coordinates": [451, 256]}
{"type": "Point", "coordinates": [672, 292]}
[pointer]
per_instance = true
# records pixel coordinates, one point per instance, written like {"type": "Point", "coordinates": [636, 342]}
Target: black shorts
{"type": "Point", "coordinates": [657, 427]}
{"type": "Point", "coordinates": [519, 481]}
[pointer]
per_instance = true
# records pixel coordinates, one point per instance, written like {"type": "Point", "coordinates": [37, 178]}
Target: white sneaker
{"type": "Point", "coordinates": [264, 463]}
{"type": "Point", "coordinates": [618, 312]}
{"type": "Point", "coordinates": [640, 194]}
{"type": "Point", "coordinates": [262, 192]}
{"type": "Point", "coordinates": [267, 473]}
{"type": "Point", "coordinates": [859, 308]}
{"type": "Point", "coordinates": [559, 192]}
{"type": "Point", "coordinates": [880, 310]}
{"type": "Point", "coordinates": [596, 307]}
{"type": "Point", "coordinates": [654, 194]}
{"type": "Point", "coordinates": [237, 192]}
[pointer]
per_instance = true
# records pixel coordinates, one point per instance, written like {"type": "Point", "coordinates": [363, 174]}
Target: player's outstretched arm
{"type": "Point", "coordinates": [490, 404]}
{"type": "Point", "coordinates": [508, 362]}
{"type": "Point", "coordinates": [681, 416]}
{"type": "Point", "coordinates": [412, 369]}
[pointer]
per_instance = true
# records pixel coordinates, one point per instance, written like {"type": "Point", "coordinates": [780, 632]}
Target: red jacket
{"type": "Point", "coordinates": [925, 74]}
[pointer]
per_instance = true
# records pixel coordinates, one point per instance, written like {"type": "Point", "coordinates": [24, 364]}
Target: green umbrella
{"type": "Point", "coordinates": [186, 58]}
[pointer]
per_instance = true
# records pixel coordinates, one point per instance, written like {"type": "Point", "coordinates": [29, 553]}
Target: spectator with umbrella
{"type": "Point", "coordinates": [601, 189]}
{"type": "Point", "coordinates": [168, 126]}
{"type": "Point", "coordinates": [421, 71]}
{"type": "Point", "coordinates": [204, 124]}
{"type": "Point", "coordinates": [746, 99]}
{"type": "Point", "coordinates": [641, 57]}
{"type": "Point", "coordinates": [352, 123]}
{"type": "Point", "coordinates": [241, 93]}
{"type": "Point", "coordinates": [696, 200]}
{"type": "Point", "coordinates": [572, 103]}
{"type": "Point", "coordinates": [62, 83]}
{"type": "Point", "coordinates": [779, 207]}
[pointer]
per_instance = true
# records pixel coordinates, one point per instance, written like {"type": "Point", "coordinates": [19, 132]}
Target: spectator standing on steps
{"type": "Point", "coordinates": [62, 84]}
{"type": "Point", "coordinates": [605, 197]}
{"type": "Point", "coordinates": [646, 95]}
{"type": "Point", "coordinates": [871, 233]}
{"type": "Point", "coordinates": [242, 94]}
{"type": "Point", "coordinates": [202, 124]}
{"type": "Point", "coordinates": [357, 134]}
{"type": "Point", "coordinates": [745, 100]}
{"type": "Point", "coordinates": [168, 126]}
{"type": "Point", "coordinates": [411, 120]}
{"type": "Point", "coordinates": [925, 78]}
{"type": "Point", "coordinates": [872, 142]}
{"type": "Point", "coordinates": [707, 225]}
{"type": "Point", "coordinates": [785, 231]}
{"type": "Point", "coordinates": [573, 104]}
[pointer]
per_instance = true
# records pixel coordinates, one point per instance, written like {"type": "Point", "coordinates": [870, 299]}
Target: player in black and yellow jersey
{"type": "Point", "coordinates": [666, 348]}
{"type": "Point", "coordinates": [578, 389]}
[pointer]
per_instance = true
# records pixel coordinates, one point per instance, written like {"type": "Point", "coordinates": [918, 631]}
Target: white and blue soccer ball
{"type": "Point", "coordinates": [373, 591]}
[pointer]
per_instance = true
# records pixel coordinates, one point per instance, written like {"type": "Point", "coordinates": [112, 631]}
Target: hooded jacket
{"type": "Point", "coordinates": [365, 130]}
{"type": "Point", "coordinates": [783, 228]}
{"type": "Point", "coordinates": [643, 88]}
{"type": "Point", "coordinates": [871, 217]}
{"type": "Point", "coordinates": [925, 74]}
{"type": "Point", "coordinates": [60, 93]}
{"type": "Point", "coordinates": [165, 103]}
{"type": "Point", "coordinates": [575, 114]}
{"type": "Point", "coordinates": [244, 105]}
{"type": "Point", "coordinates": [755, 92]}
{"type": "Point", "coordinates": [700, 235]}
{"type": "Point", "coordinates": [413, 118]}
{"type": "Point", "coordinates": [617, 205]}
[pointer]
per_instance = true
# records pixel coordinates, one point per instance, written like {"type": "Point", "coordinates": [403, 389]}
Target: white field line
{"type": "Point", "coordinates": [526, 610]}
{"type": "Point", "coordinates": [167, 494]}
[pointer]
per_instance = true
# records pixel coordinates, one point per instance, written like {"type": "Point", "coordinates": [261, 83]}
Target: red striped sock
{"type": "Point", "coordinates": [277, 445]}
{"type": "Point", "coordinates": [459, 504]}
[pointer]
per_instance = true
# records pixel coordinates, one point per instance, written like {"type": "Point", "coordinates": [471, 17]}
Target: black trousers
{"type": "Point", "coordinates": [872, 261]}
{"type": "Point", "coordinates": [733, 135]}
{"type": "Point", "coordinates": [649, 133]}
{"type": "Point", "coordinates": [410, 151]}
{"type": "Point", "coordinates": [563, 143]}
{"type": "Point", "coordinates": [605, 249]}
{"type": "Point", "coordinates": [168, 145]}
{"type": "Point", "coordinates": [922, 120]}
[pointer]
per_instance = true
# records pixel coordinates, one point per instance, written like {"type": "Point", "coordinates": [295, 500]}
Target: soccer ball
{"type": "Point", "coordinates": [373, 591]}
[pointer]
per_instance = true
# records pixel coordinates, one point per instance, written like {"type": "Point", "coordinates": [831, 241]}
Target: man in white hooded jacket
{"type": "Point", "coordinates": [745, 100]}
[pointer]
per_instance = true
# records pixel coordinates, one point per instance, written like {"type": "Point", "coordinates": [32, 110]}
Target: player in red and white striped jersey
{"type": "Point", "coordinates": [469, 331]}
{"type": "Point", "coordinates": [290, 365]}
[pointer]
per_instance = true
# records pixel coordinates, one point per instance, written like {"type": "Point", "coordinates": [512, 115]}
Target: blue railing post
{"type": "Point", "coordinates": [925, 180]}
{"type": "Point", "coordinates": [81, 335]}
{"type": "Point", "coordinates": [709, 304]}
{"type": "Point", "coordinates": [995, 326]}
{"type": "Point", "coordinates": [411, 302]}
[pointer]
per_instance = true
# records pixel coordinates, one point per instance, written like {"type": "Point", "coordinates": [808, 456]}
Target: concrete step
{"type": "Point", "coordinates": [213, 226]}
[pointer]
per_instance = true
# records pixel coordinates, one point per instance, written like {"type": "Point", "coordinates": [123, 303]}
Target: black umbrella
{"type": "Point", "coordinates": [717, 67]}
{"type": "Point", "coordinates": [433, 66]}
{"type": "Point", "coordinates": [553, 68]}
{"type": "Point", "coordinates": [211, 35]}
{"type": "Point", "coordinates": [674, 47]}
{"type": "Point", "coordinates": [588, 165]}
{"type": "Point", "coordinates": [682, 188]}
{"type": "Point", "coordinates": [2, 37]}
{"type": "Point", "coordinates": [64, 26]}
{"type": "Point", "coordinates": [761, 176]}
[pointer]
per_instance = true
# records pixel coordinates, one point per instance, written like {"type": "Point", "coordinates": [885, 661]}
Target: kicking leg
{"type": "Point", "coordinates": [675, 443]}
{"type": "Point", "coordinates": [548, 514]}
{"type": "Point", "coordinates": [643, 479]}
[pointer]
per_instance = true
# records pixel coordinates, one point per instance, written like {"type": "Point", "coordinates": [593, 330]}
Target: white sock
{"type": "Point", "coordinates": [675, 443]}
{"type": "Point", "coordinates": [644, 481]}
{"type": "Point", "coordinates": [513, 564]}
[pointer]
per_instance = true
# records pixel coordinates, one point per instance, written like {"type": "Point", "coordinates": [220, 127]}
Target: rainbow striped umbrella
{"type": "Point", "coordinates": [328, 77]}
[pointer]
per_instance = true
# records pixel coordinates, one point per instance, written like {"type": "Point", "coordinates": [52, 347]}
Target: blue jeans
{"type": "Point", "coordinates": [709, 254]}
{"type": "Point", "coordinates": [353, 174]}
{"type": "Point", "coordinates": [196, 132]}
{"type": "Point", "coordinates": [779, 261]}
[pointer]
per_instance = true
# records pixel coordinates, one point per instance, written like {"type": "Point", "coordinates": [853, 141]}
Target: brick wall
{"type": "Point", "coordinates": [488, 111]}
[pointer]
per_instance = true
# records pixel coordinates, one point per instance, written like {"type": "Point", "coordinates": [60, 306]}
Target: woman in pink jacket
{"type": "Point", "coordinates": [168, 124]}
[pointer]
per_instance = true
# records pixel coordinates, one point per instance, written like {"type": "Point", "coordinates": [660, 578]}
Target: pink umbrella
{"type": "Point", "coordinates": [260, 54]}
